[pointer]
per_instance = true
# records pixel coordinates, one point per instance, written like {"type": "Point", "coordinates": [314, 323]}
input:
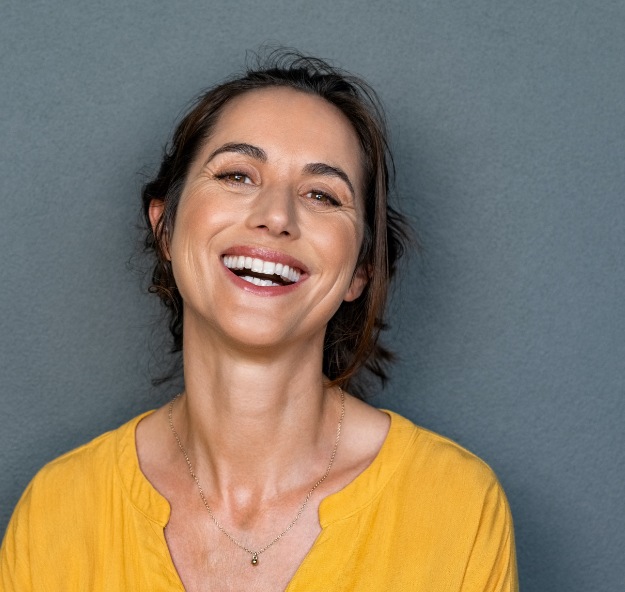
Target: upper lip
{"type": "Point", "coordinates": [266, 254]}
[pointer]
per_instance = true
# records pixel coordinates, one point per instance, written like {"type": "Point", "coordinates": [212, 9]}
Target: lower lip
{"type": "Point", "coordinates": [263, 290]}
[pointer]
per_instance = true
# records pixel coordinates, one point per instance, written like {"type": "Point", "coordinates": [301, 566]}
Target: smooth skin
{"type": "Point", "coordinates": [281, 171]}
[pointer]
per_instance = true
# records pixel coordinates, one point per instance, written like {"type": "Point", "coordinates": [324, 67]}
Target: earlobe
{"type": "Point", "coordinates": [359, 281]}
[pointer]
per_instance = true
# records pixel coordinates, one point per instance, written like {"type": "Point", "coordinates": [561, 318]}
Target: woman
{"type": "Point", "coordinates": [274, 247]}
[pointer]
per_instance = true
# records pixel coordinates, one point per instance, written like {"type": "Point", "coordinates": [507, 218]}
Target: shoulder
{"type": "Point", "coordinates": [425, 451]}
{"type": "Point", "coordinates": [434, 503]}
{"type": "Point", "coordinates": [70, 492]}
{"type": "Point", "coordinates": [68, 511]}
{"type": "Point", "coordinates": [66, 485]}
{"type": "Point", "coordinates": [438, 478]}
{"type": "Point", "coordinates": [442, 474]}
{"type": "Point", "coordinates": [454, 500]}
{"type": "Point", "coordinates": [96, 459]}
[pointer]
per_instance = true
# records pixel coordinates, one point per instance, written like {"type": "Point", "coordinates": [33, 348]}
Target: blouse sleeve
{"type": "Point", "coordinates": [15, 553]}
{"type": "Point", "coordinates": [492, 563]}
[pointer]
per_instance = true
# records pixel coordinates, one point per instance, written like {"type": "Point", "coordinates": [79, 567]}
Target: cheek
{"type": "Point", "coordinates": [341, 245]}
{"type": "Point", "coordinates": [199, 215]}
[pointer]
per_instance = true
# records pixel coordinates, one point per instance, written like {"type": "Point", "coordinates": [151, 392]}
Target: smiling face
{"type": "Point", "coordinates": [270, 221]}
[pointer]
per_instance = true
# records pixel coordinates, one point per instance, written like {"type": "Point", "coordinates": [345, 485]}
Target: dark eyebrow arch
{"type": "Point", "coordinates": [321, 168]}
{"type": "Point", "coordinates": [240, 148]}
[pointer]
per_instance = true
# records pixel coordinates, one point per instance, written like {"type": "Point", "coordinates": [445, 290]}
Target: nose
{"type": "Point", "coordinates": [274, 210]}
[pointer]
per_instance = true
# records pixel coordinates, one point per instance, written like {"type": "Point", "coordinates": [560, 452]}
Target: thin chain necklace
{"type": "Point", "coordinates": [257, 552]}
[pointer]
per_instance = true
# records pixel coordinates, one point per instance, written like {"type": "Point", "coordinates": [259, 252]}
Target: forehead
{"type": "Point", "coordinates": [284, 121]}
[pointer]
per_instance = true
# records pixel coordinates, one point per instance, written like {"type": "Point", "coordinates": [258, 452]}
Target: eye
{"type": "Point", "coordinates": [234, 178]}
{"type": "Point", "coordinates": [322, 198]}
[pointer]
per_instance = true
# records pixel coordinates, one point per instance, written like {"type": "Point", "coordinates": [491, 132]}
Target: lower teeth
{"type": "Point", "coordinates": [257, 281]}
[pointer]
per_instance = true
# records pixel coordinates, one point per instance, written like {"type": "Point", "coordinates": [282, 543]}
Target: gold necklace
{"type": "Point", "coordinates": [256, 553]}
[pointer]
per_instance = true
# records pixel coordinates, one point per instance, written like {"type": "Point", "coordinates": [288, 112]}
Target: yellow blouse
{"type": "Point", "coordinates": [426, 515]}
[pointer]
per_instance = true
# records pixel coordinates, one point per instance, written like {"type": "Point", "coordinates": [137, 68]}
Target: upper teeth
{"type": "Point", "coordinates": [260, 266]}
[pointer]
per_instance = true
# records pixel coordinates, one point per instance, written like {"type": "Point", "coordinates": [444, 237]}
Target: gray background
{"type": "Point", "coordinates": [508, 124]}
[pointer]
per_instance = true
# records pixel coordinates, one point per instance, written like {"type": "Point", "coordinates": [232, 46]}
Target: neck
{"type": "Point", "coordinates": [256, 419]}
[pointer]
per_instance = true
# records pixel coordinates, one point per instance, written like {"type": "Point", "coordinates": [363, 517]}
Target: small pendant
{"type": "Point", "coordinates": [254, 559]}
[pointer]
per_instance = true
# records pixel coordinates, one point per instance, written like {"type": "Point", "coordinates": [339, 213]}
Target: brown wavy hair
{"type": "Point", "coordinates": [352, 336]}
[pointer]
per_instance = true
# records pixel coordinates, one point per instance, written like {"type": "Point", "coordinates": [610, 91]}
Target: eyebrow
{"type": "Point", "coordinates": [240, 148]}
{"type": "Point", "coordinates": [321, 168]}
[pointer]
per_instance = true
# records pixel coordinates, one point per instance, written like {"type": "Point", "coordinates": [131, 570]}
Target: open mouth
{"type": "Point", "coordinates": [260, 272]}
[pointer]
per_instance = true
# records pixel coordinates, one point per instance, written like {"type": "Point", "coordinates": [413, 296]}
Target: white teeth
{"type": "Point", "coordinates": [257, 281]}
{"type": "Point", "coordinates": [289, 273]}
{"type": "Point", "coordinates": [260, 266]}
{"type": "Point", "coordinates": [257, 265]}
{"type": "Point", "coordinates": [233, 262]}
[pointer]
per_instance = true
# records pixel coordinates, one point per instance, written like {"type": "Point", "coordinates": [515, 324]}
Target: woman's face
{"type": "Point", "coordinates": [270, 221]}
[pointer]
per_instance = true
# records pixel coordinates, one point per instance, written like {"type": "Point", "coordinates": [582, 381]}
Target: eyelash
{"type": "Point", "coordinates": [224, 177]}
{"type": "Point", "coordinates": [327, 198]}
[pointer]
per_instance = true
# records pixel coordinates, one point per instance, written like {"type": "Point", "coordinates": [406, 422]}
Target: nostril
{"type": "Point", "coordinates": [265, 227]}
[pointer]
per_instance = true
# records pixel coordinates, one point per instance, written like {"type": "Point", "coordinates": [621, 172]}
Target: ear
{"type": "Point", "coordinates": [155, 212]}
{"type": "Point", "coordinates": [359, 281]}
